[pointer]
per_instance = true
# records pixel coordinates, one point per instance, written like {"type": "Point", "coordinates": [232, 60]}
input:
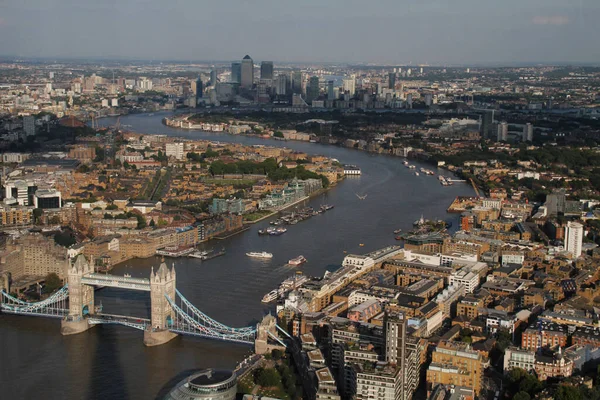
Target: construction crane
{"type": "Point", "coordinates": [474, 187]}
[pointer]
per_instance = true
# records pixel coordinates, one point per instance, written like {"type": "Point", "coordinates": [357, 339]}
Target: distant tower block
{"type": "Point", "coordinates": [81, 298]}
{"type": "Point", "coordinates": [162, 284]}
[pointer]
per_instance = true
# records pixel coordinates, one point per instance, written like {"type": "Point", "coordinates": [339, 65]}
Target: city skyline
{"type": "Point", "coordinates": [539, 32]}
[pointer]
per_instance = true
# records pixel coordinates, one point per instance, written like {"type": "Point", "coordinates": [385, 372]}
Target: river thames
{"type": "Point", "coordinates": [111, 362]}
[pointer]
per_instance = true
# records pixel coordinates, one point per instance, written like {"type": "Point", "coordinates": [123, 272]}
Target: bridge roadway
{"type": "Point", "coordinates": [134, 322]}
{"type": "Point", "coordinates": [95, 279]}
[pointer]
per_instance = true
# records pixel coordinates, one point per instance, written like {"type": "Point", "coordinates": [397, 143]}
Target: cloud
{"type": "Point", "coordinates": [550, 20]}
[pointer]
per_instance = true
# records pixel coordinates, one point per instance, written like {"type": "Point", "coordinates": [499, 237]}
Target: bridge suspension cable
{"type": "Point", "coordinates": [208, 320]}
{"type": "Point", "coordinates": [53, 306]}
{"type": "Point", "coordinates": [186, 323]}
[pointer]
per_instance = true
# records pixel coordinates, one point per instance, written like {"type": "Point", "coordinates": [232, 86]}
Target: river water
{"type": "Point", "coordinates": [111, 362]}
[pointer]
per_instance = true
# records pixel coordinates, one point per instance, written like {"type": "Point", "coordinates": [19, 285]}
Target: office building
{"type": "Point", "coordinates": [29, 125]}
{"type": "Point", "coordinates": [47, 198]}
{"type": "Point", "coordinates": [247, 78]}
{"type": "Point", "coordinates": [331, 92]}
{"type": "Point", "coordinates": [236, 72]}
{"type": "Point", "coordinates": [487, 124]}
{"type": "Point", "coordinates": [207, 384]}
{"type": "Point", "coordinates": [528, 132]}
{"type": "Point", "coordinates": [574, 238]}
{"type": "Point", "coordinates": [266, 70]}
{"type": "Point", "coordinates": [281, 85]}
{"type": "Point", "coordinates": [454, 363]}
{"type": "Point", "coordinates": [213, 77]}
{"type": "Point", "coordinates": [392, 80]}
{"type": "Point", "coordinates": [312, 91]}
{"type": "Point", "coordinates": [199, 90]}
{"type": "Point", "coordinates": [297, 86]}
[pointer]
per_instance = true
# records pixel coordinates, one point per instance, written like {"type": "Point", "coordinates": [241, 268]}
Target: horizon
{"type": "Point", "coordinates": [95, 60]}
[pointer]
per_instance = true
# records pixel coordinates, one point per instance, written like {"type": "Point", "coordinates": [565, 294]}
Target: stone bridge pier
{"type": "Point", "coordinates": [162, 284]}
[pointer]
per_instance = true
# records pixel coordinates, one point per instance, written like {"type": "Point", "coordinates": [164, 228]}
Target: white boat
{"type": "Point", "coordinates": [198, 254]}
{"type": "Point", "coordinates": [297, 261]}
{"type": "Point", "coordinates": [262, 254]}
{"type": "Point", "coordinates": [405, 162]}
{"type": "Point", "coordinates": [127, 276]}
{"type": "Point", "coordinates": [416, 173]}
{"type": "Point", "coordinates": [269, 297]}
{"type": "Point", "coordinates": [412, 166]}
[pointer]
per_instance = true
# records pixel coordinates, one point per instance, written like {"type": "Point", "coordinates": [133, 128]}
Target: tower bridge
{"type": "Point", "coordinates": [171, 314]}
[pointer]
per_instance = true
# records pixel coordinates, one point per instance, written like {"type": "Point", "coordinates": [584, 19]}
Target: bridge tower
{"type": "Point", "coordinates": [81, 297]}
{"type": "Point", "coordinates": [265, 329]}
{"type": "Point", "coordinates": [162, 284]}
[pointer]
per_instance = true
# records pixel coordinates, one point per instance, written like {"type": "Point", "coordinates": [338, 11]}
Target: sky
{"type": "Point", "coordinates": [431, 32]}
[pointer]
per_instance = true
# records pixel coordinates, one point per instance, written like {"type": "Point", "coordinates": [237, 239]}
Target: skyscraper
{"type": "Point", "coordinates": [403, 350]}
{"type": "Point", "coordinates": [297, 82]}
{"type": "Point", "coordinates": [574, 238]}
{"type": "Point", "coordinates": [236, 72]}
{"type": "Point", "coordinates": [331, 95]}
{"type": "Point", "coordinates": [392, 80]}
{"type": "Point", "coordinates": [213, 77]}
{"type": "Point", "coordinates": [247, 79]}
{"type": "Point", "coordinates": [199, 90]}
{"type": "Point", "coordinates": [266, 70]}
{"type": "Point", "coordinates": [313, 88]}
{"type": "Point", "coordinates": [281, 85]}
{"type": "Point", "coordinates": [349, 85]}
{"type": "Point", "coordinates": [487, 122]}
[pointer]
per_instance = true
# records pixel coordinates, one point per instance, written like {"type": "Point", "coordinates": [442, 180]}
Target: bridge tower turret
{"type": "Point", "coordinates": [81, 297]}
{"type": "Point", "coordinates": [162, 284]}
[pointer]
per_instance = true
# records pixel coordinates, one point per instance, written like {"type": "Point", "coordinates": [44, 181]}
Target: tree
{"type": "Point", "coordinates": [522, 396]}
{"type": "Point", "coordinates": [567, 392]}
{"type": "Point", "coordinates": [278, 134]}
{"type": "Point", "coordinates": [52, 282]}
{"type": "Point", "coordinates": [37, 213]}
{"type": "Point", "coordinates": [268, 377]}
{"type": "Point", "coordinates": [112, 207]}
{"type": "Point", "coordinates": [152, 224]}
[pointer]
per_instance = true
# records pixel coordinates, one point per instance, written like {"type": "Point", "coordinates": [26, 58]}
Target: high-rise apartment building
{"type": "Point", "coordinates": [236, 72]}
{"type": "Point", "coordinates": [574, 238]}
{"type": "Point", "coordinates": [29, 125]}
{"type": "Point", "coordinates": [454, 363]}
{"type": "Point", "coordinates": [247, 78]}
{"type": "Point", "coordinates": [502, 131]}
{"type": "Point", "coordinates": [349, 85]}
{"type": "Point", "coordinates": [175, 150]}
{"type": "Point", "coordinates": [266, 70]}
{"type": "Point", "coordinates": [403, 350]}
{"type": "Point", "coordinates": [528, 132]}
